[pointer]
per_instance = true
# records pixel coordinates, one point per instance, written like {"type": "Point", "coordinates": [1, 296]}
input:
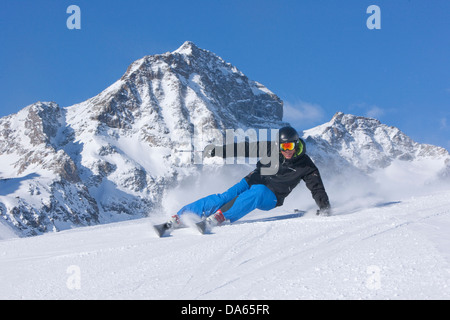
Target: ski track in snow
{"type": "Point", "coordinates": [396, 250]}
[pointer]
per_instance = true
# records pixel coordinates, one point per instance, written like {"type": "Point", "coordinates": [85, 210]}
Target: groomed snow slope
{"type": "Point", "coordinates": [390, 250]}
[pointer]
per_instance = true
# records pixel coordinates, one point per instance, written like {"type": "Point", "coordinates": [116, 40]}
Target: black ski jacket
{"type": "Point", "coordinates": [288, 174]}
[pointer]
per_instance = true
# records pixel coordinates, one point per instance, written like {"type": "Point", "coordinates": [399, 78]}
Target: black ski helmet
{"type": "Point", "coordinates": [288, 134]}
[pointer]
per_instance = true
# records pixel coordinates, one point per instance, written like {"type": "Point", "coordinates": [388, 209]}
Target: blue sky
{"type": "Point", "coordinates": [316, 55]}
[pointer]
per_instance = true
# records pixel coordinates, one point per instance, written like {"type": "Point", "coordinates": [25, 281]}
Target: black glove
{"type": "Point", "coordinates": [324, 212]}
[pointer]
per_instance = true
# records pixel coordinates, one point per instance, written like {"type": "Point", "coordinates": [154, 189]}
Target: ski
{"type": "Point", "coordinates": [213, 220]}
{"type": "Point", "coordinates": [202, 226]}
{"type": "Point", "coordinates": [162, 229]}
{"type": "Point", "coordinates": [165, 228]}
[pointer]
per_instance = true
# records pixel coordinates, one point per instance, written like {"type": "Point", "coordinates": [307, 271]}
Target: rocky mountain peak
{"type": "Point", "coordinates": [192, 81]}
{"type": "Point", "coordinates": [188, 48]}
{"type": "Point", "coordinates": [111, 156]}
{"type": "Point", "coordinates": [366, 144]}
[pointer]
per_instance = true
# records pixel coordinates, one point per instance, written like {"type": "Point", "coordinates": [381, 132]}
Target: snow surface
{"type": "Point", "coordinates": [375, 246]}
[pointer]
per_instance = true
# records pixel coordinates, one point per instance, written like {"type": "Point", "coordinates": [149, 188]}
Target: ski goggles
{"type": "Point", "coordinates": [287, 146]}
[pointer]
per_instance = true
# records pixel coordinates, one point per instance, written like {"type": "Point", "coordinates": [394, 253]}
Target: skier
{"type": "Point", "coordinates": [258, 191]}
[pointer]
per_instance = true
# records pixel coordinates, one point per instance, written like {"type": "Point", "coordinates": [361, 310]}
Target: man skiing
{"type": "Point", "coordinates": [259, 191]}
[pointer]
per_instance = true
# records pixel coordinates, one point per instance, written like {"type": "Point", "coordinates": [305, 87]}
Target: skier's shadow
{"type": "Point", "coordinates": [386, 204]}
{"type": "Point", "coordinates": [346, 211]}
{"type": "Point", "coordinates": [297, 214]}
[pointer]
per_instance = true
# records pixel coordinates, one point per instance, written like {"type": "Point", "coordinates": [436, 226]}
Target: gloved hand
{"type": "Point", "coordinates": [209, 151]}
{"type": "Point", "coordinates": [324, 212]}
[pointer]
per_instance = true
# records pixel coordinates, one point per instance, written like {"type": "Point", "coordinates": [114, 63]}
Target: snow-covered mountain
{"type": "Point", "coordinates": [114, 156]}
{"type": "Point", "coordinates": [366, 146]}
{"type": "Point", "coordinates": [111, 157]}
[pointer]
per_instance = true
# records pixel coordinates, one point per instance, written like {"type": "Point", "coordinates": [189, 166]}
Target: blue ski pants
{"type": "Point", "coordinates": [257, 196]}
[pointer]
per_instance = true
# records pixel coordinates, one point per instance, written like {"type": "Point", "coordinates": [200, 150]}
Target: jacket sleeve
{"type": "Point", "coordinates": [315, 185]}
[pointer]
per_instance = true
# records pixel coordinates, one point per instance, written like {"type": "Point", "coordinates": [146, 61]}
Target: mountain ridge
{"type": "Point", "coordinates": [380, 144]}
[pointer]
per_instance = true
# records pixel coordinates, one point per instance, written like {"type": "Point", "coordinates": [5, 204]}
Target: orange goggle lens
{"type": "Point", "coordinates": [287, 146]}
